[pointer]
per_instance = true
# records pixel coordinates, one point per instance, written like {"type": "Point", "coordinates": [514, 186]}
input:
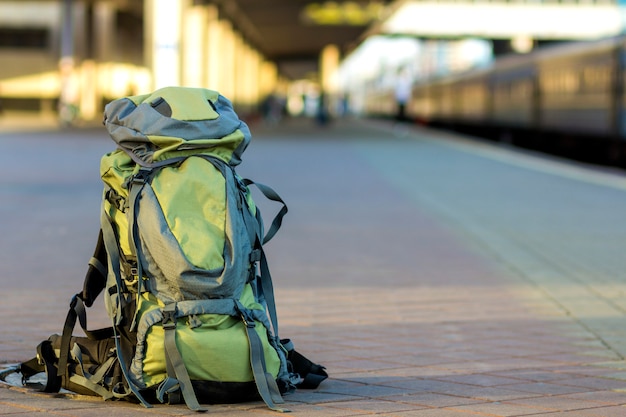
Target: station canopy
{"type": "Point", "coordinates": [292, 33]}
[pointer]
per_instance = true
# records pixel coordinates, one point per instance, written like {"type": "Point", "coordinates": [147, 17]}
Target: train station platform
{"type": "Point", "coordinates": [431, 274]}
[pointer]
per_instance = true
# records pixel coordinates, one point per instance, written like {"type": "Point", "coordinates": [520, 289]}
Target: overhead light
{"type": "Point", "coordinates": [347, 13]}
{"type": "Point", "coordinates": [522, 44]}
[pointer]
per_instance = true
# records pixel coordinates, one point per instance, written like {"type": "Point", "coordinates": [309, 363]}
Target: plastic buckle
{"type": "Point", "coordinates": [169, 318]}
{"type": "Point", "coordinates": [246, 316]}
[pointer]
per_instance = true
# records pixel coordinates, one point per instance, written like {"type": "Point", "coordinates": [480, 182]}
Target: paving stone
{"type": "Point", "coordinates": [432, 276]}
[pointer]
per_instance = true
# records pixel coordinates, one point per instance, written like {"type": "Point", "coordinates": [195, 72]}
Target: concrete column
{"type": "Point", "coordinates": [104, 17]}
{"type": "Point", "coordinates": [80, 31]}
{"type": "Point", "coordinates": [213, 47]}
{"type": "Point", "coordinates": [163, 41]}
{"type": "Point", "coordinates": [239, 67]}
{"type": "Point", "coordinates": [268, 78]}
{"type": "Point", "coordinates": [329, 63]}
{"type": "Point", "coordinates": [90, 99]}
{"type": "Point", "coordinates": [68, 94]}
{"type": "Point", "coordinates": [194, 35]}
{"type": "Point", "coordinates": [255, 77]}
{"type": "Point", "coordinates": [103, 44]}
{"type": "Point", "coordinates": [242, 70]}
{"type": "Point", "coordinates": [226, 84]}
{"type": "Point", "coordinates": [247, 74]}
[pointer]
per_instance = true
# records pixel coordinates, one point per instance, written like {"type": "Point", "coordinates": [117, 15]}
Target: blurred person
{"type": "Point", "coordinates": [402, 94]}
{"type": "Point", "coordinates": [322, 116]}
{"type": "Point", "coordinates": [272, 109]}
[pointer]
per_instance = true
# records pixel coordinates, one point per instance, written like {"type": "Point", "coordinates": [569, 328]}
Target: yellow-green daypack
{"type": "Point", "coordinates": [181, 262]}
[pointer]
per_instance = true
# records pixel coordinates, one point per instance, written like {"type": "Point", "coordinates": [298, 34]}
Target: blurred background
{"type": "Point", "coordinates": [504, 69]}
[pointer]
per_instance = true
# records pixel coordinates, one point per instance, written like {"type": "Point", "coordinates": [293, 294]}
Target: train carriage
{"type": "Point", "coordinates": [472, 98]}
{"type": "Point", "coordinates": [567, 99]}
{"type": "Point", "coordinates": [514, 93]}
{"type": "Point", "coordinates": [577, 87]}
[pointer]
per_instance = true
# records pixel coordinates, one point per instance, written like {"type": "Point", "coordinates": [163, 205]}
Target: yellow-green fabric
{"type": "Point", "coordinates": [115, 168]}
{"type": "Point", "coordinates": [217, 350]}
{"type": "Point", "coordinates": [192, 103]}
{"type": "Point", "coordinates": [194, 209]}
{"type": "Point", "coordinates": [194, 212]}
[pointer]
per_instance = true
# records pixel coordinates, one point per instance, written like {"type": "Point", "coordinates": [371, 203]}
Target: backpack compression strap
{"type": "Point", "coordinates": [176, 371]}
{"type": "Point", "coordinates": [113, 251]}
{"type": "Point", "coordinates": [265, 382]}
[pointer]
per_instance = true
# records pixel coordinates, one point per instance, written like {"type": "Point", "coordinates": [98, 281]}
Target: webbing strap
{"type": "Point", "coordinates": [135, 187]}
{"type": "Point", "coordinates": [272, 195]}
{"type": "Point", "coordinates": [78, 305]}
{"type": "Point", "coordinates": [110, 241]}
{"type": "Point", "coordinates": [96, 276]}
{"type": "Point", "coordinates": [98, 389]}
{"type": "Point", "coordinates": [77, 310]}
{"type": "Point", "coordinates": [87, 380]}
{"type": "Point", "coordinates": [267, 287]}
{"type": "Point", "coordinates": [268, 292]}
{"type": "Point", "coordinates": [66, 338]}
{"type": "Point", "coordinates": [95, 262]}
{"type": "Point", "coordinates": [265, 382]}
{"type": "Point", "coordinates": [174, 362]}
{"type": "Point", "coordinates": [114, 257]}
{"type": "Point", "coordinates": [103, 369]}
{"type": "Point", "coordinates": [45, 361]}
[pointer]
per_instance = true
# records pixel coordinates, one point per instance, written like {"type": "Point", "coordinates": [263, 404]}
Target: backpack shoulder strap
{"type": "Point", "coordinates": [95, 279]}
{"type": "Point", "coordinates": [110, 241]}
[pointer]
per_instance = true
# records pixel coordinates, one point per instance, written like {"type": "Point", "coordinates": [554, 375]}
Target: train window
{"type": "Point", "coordinates": [560, 81]}
{"type": "Point", "coordinates": [571, 81]}
{"type": "Point", "coordinates": [596, 78]}
{"type": "Point", "coordinates": [24, 38]}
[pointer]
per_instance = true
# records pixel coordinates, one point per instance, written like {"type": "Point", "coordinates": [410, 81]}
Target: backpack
{"type": "Point", "coordinates": [180, 261]}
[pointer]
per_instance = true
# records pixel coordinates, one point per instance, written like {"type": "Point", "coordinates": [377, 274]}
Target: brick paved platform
{"type": "Point", "coordinates": [432, 275]}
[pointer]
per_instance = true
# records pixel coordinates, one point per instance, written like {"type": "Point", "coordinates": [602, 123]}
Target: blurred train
{"type": "Point", "coordinates": [565, 99]}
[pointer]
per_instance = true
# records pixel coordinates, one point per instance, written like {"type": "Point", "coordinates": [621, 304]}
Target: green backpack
{"type": "Point", "coordinates": [180, 260]}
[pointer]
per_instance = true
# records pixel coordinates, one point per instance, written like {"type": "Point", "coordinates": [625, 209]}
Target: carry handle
{"type": "Point", "coordinates": [270, 194]}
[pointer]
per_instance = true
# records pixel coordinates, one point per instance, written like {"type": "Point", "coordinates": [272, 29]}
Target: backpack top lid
{"type": "Point", "coordinates": [177, 121]}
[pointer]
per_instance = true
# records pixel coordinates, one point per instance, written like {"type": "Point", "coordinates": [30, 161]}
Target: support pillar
{"type": "Point", "coordinates": [104, 21]}
{"type": "Point", "coordinates": [329, 63]}
{"type": "Point", "coordinates": [239, 70]}
{"type": "Point", "coordinates": [163, 41]}
{"type": "Point", "coordinates": [67, 96]}
{"type": "Point", "coordinates": [213, 49]}
{"type": "Point", "coordinates": [328, 66]}
{"type": "Point", "coordinates": [254, 77]}
{"type": "Point", "coordinates": [246, 75]}
{"type": "Point", "coordinates": [194, 35]}
{"type": "Point", "coordinates": [268, 79]}
{"type": "Point", "coordinates": [226, 82]}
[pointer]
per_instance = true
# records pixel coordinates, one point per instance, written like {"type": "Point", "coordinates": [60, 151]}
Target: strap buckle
{"type": "Point", "coordinates": [246, 315]}
{"type": "Point", "coordinates": [169, 317]}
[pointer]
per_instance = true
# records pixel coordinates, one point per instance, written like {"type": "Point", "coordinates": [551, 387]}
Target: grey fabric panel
{"type": "Point", "coordinates": [172, 277]}
{"type": "Point", "coordinates": [129, 125]}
